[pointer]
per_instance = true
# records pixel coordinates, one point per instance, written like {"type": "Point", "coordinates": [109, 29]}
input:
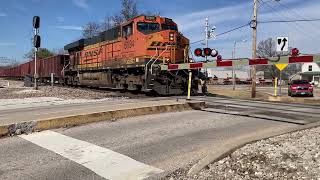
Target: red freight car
{"type": "Point", "coordinates": [45, 67]}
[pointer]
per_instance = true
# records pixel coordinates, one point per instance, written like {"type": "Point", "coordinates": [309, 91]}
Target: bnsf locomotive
{"type": "Point", "coordinates": [128, 57]}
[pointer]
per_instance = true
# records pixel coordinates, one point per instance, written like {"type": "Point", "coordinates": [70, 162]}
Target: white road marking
{"type": "Point", "coordinates": [104, 162]}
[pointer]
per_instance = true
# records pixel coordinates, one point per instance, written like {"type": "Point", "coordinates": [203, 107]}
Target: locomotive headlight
{"type": "Point", "coordinates": [171, 36]}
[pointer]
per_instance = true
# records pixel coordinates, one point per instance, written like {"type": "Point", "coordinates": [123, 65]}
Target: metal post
{"type": "Point", "coordinates": [52, 80]}
{"type": "Point", "coordinates": [275, 86]}
{"type": "Point", "coordinates": [254, 47]}
{"type": "Point", "coordinates": [233, 69]}
{"type": "Point", "coordinates": [189, 85]}
{"type": "Point", "coordinates": [280, 81]}
{"type": "Point", "coordinates": [207, 41]}
{"type": "Point", "coordinates": [35, 63]}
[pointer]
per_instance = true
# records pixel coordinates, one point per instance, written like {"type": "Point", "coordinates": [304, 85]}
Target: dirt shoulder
{"type": "Point", "coordinates": [16, 90]}
{"type": "Point", "coordinates": [290, 156]}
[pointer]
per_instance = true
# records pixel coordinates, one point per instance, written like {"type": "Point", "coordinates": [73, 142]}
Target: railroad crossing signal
{"type": "Point", "coordinates": [282, 44]}
{"type": "Point", "coordinates": [205, 52]}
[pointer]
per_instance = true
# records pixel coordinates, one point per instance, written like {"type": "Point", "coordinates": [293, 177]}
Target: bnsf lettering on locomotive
{"type": "Point", "coordinates": [92, 53]}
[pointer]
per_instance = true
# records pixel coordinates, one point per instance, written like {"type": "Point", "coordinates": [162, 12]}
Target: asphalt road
{"type": "Point", "coordinates": [156, 143]}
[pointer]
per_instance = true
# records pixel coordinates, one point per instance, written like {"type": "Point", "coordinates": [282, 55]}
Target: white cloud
{"type": "Point", "coordinates": [3, 14]}
{"type": "Point", "coordinates": [81, 3]}
{"type": "Point", "coordinates": [216, 16]}
{"type": "Point", "coordinates": [7, 44]}
{"type": "Point", "coordinates": [75, 28]}
{"type": "Point", "coordinates": [60, 19]}
{"type": "Point", "coordinates": [303, 35]}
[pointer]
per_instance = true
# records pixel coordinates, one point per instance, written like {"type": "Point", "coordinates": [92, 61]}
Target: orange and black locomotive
{"type": "Point", "coordinates": [127, 57]}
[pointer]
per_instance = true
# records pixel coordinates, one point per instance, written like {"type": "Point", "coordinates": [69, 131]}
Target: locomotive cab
{"type": "Point", "coordinates": [154, 37]}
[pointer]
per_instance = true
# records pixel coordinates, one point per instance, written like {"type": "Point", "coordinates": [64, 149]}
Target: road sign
{"type": "Point", "coordinates": [282, 44]}
{"type": "Point", "coordinates": [281, 66]}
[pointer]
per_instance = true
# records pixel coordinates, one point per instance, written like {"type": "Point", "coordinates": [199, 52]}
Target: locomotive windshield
{"type": "Point", "coordinates": [169, 27]}
{"type": "Point", "coordinates": [148, 28]}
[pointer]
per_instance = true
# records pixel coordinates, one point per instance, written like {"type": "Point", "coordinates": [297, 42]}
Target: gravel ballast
{"type": "Point", "coordinates": [290, 156]}
{"type": "Point", "coordinates": [16, 90]}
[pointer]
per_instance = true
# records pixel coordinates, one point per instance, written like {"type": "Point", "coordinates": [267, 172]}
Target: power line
{"type": "Point", "coordinates": [226, 32]}
{"type": "Point", "coordinates": [295, 13]}
{"type": "Point", "coordinates": [288, 21]}
{"type": "Point", "coordinates": [296, 25]}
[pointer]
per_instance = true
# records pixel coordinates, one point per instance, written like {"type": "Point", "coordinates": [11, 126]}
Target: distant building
{"type": "Point", "coordinates": [223, 74]}
{"type": "Point", "coordinates": [311, 72]}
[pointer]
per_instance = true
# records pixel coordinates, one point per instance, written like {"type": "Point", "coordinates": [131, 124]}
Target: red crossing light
{"type": "Point", "coordinates": [198, 52]}
{"type": "Point", "coordinates": [207, 51]}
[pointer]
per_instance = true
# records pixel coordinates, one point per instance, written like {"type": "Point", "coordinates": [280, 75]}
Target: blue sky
{"type": "Point", "coordinates": [61, 21]}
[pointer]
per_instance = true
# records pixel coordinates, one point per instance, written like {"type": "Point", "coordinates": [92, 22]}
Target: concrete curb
{"type": "Point", "coordinates": [294, 100]}
{"type": "Point", "coordinates": [70, 121]}
{"type": "Point", "coordinates": [232, 145]}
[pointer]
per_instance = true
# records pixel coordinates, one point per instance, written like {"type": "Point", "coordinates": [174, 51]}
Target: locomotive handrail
{"type": "Point", "coordinates": [159, 56]}
{"type": "Point", "coordinates": [146, 69]}
{"type": "Point", "coordinates": [62, 72]}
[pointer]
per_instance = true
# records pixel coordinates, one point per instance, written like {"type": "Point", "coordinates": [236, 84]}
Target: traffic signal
{"type": "Point", "coordinates": [219, 58]}
{"type": "Point", "coordinates": [37, 41]}
{"type": "Point", "coordinates": [36, 22]}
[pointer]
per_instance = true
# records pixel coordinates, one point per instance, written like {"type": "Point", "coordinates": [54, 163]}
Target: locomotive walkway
{"type": "Point", "coordinates": [33, 116]}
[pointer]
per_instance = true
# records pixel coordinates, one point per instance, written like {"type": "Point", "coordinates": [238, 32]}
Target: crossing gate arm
{"type": "Point", "coordinates": [243, 62]}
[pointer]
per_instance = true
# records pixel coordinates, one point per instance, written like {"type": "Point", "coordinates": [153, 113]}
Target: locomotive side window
{"type": "Point", "coordinates": [148, 28]}
{"type": "Point", "coordinates": [127, 30]}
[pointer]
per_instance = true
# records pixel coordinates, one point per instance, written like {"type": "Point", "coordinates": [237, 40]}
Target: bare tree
{"type": "Point", "coordinates": [91, 29]}
{"type": "Point", "coordinates": [58, 51]}
{"type": "Point", "coordinates": [267, 48]}
{"type": "Point", "coordinates": [107, 23]}
{"type": "Point", "coordinates": [129, 9]}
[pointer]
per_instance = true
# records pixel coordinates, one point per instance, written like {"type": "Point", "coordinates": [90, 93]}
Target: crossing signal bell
{"type": "Point", "coordinates": [219, 58]}
{"type": "Point", "coordinates": [295, 52]}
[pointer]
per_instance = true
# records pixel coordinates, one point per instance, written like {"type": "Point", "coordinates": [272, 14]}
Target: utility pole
{"type": "Point", "coordinates": [233, 69]}
{"type": "Point", "coordinates": [254, 47]}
